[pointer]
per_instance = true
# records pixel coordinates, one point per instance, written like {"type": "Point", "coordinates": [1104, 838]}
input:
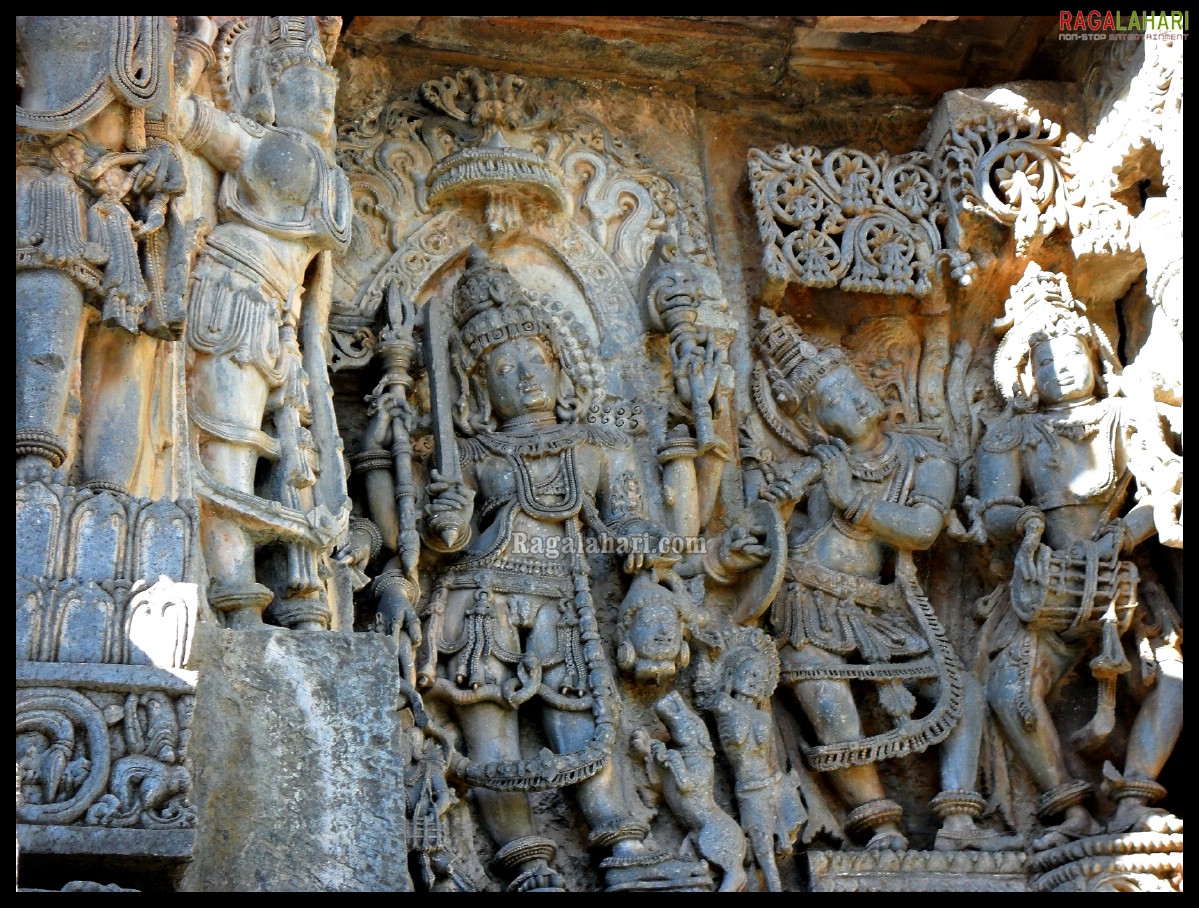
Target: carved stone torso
{"type": "Point", "coordinates": [908, 471]}
{"type": "Point", "coordinates": [1072, 465]}
{"type": "Point", "coordinates": [288, 191]}
{"type": "Point", "coordinates": [70, 71]}
{"type": "Point", "coordinates": [834, 595]}
{"type": "Point", "coordinates": [521, 568]}
{"type": "Point", "coordinates": [747, 734]}
{"type": "Point", "coordinates": [533, 485]}
{"type": "Point", "coordinates": [63, 79]}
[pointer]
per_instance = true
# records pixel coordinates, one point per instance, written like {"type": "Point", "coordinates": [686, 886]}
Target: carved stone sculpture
{"type": "Point", "coordinates": [505, 627]}
{"type": "Point", "coordinates": [106, 603]}
{"type": "Point", "coordinates": [736, 687]}
{"type": "Point", "coordinates": [642, 587]}
{"type": "Point", "coordinates": [874, 497]}
{"type": "Point", "coordinates": [255, 331]}
{"type": "Point", "coordinates": [97, 166]}
{"type": "Point", "coordinates": [1054, 477]}
{"type": "Point", "coordinates": [683, 770]}
{"type": "Point", "coordinates": [391, 491]}
{"type": "Point", "coordinates": [429, 798]}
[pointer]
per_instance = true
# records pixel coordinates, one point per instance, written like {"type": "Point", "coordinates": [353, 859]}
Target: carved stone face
{"type": "Point", "coordinates": [656, 634]}
{"type": "Point", "coordinates": [676, 293]}
{"type": "Point", "coordinates": [304, 97]}
{"type": "Point", "coordinates": [522, 378]}
{"type": "Point", "coordinates": [115, 183]}
{"type": "Point", "coordinates": [846, 408]}
{"type": "Point", "coordinates": [69, 157]}
{"type": "Point", "coordinates": [653, 648]}
{"type": "Point", "coordinates": [1064, 370]}
{"type": "Point", "coordinates": [750, 677]}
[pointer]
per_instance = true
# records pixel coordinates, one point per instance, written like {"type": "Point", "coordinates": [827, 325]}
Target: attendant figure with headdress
{"type": "Point", "coordinates": [254, 328]}
{"type": "Point", "coordinates": [1056, 477]}
{"type": "Point", "coordinates": [851, 615]}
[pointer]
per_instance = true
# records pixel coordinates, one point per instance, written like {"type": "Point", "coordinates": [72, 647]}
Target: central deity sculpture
{"type": "Point", "coordinates": [511, 618]}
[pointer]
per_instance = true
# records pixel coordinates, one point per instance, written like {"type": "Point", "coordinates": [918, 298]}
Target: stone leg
{"type": "Point", "coordinates": [118, 384]}
{"type": "Point", "coordinates": [959, 803]}
{"type": "Point", "coordinates": [833, 714]}
{"type": "Point", "coordinates": [232, 399]}
{"type": "Point", "coordinates": [492, 733]}
{"type": "Point", "coordinates": [48, 327]}
{"type": "Point", "coordinates": [1155, 731]}
{"type": "Point", "coordinates": [1037, 744]}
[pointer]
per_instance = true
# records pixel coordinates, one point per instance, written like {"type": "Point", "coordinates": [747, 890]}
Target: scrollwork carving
{"type": "Point", "coordinates": [1008, 170]}
{"type": "Point", "coordinates": [846, 219]}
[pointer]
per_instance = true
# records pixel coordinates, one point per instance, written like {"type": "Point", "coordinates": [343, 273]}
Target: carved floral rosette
{"type": "Point", "coordinates": [1005, 169]}
{"type": "Point", "coordinates": [1015, 166]}
{"type": "Point", "coordinates": [846, 219]}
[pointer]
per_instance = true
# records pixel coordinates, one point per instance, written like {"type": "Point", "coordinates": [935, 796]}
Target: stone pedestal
{"type": "Point", "coordinates": [917, 871]}
{"type": "Point", "coordinates": [298, 763]}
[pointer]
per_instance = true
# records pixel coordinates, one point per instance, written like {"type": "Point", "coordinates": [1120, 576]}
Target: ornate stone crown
{"type": "Point", "coordinates": [717, 664]}
{"type": "Point", "coordinates": [490, 307]}
{"type": "Point", "coordinates": [791, 356]}
{"type": "Point", "coordinates": [1040, 307]}
{"type": "Point", "coordinates": [789, 367]}
{"type": "Point", "coordinates": [292, 40]}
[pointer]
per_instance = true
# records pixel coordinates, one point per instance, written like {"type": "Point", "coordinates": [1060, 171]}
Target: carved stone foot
{"type": "Point", "coordinates": [973, 838]}
{"type": "Point", "coordinates": [655, 871]}
{"type": "Point", "coordinates": [529, 857]}
{"type": "Point", "coordinates": [887, 840]}
{"type": "Point", "coordinates": [1133, 813]}
{"type": "Point", "coordinates": [1136, 816]}
{"type": "Point", "coordinates": [958, 809]}
{"type": "Point", "coordinates": [242, 604]}
{"type": "Point", "coordinates": [1077, 825]}
{"type": "Point", "coordinates": [881, 819]}
{"type": "Point", "coordinates": [538, 877]}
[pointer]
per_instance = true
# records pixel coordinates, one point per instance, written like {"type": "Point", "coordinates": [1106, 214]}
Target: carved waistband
{"type": "Point", "coordinates": [496, 578]}
{"type": "Point", "coordinates": [239, 259]}
{"type": "Point", "coordinates": [845, 587]}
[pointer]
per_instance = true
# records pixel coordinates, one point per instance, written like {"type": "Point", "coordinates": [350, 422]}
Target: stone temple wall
{"type": "Point", "coordinates": [599, 453]}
